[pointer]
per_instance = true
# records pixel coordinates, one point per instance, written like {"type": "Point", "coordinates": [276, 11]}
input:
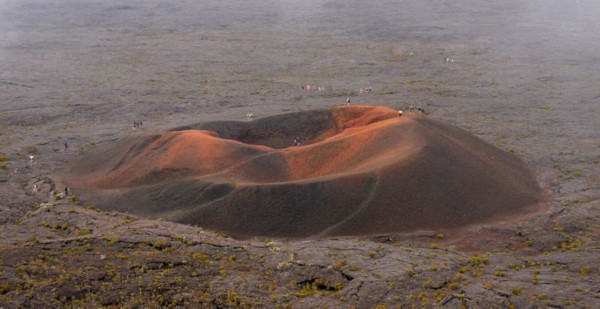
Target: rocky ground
{"type": "Point", "coordinates": [521, 75]}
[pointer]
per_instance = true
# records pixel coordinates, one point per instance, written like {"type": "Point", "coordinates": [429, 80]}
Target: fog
{"type": "Point", "coordinates": [523, 47]}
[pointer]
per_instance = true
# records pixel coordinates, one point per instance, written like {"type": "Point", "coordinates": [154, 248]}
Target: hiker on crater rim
{"type": "Point", "coordinates": [297, 141]}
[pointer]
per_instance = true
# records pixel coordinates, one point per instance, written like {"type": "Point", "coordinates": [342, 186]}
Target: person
{"type": "Point", "coordinates": [297, 141]}
{"type": "Point", "coordinates": [66, 146]}
{"type": "Point", "coordinates": [66, 190]}
{"type": "Point", "coordinates": [410, 108]}
{"type": "Point", "coordinates": [348, 100]}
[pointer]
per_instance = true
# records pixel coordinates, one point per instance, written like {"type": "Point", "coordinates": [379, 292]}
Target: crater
{"type": "Point", "coordinates": [345, 171]}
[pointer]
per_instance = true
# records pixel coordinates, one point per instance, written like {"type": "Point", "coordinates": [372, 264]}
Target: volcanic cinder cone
{"type": "Point", "coordinates": [360, 170]}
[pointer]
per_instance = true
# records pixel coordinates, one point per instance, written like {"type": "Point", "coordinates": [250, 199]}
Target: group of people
{"type": "Point", "coordinates": [320, 88]}
{"type": "Point", "coordinates": [297, 141]}
{"type": "Point", "coordinates": [419, 109]}
{"type": "Point", "coordinates": [310, 88]}
{"type": "Point", "coordinates": [137, 124]}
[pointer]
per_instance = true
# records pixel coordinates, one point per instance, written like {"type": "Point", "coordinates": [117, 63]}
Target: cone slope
{"type": "Point", "coordinates": [361, 170]}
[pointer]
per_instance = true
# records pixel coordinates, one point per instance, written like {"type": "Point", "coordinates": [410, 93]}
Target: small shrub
{"type": "Point", "coordinates": [528, 242]}
{"type": "Point", "coordinates": [160, 244]}
{"type": "Point", "coordinates": [75, 199]}
{"type": "Point", "coordinates": [91, 207]}
{"type": "Point", "coordinates": [200, 256]}
{"type": "Point", "coordinates": [476, 260]}
{"type": "Point", "coordinates": [339, 264]}
{"type": "Point", "coordinates": [584, 270]}
{"type": "Point", "coordinates": [309, 289]}
{"type": "Point", "coordinates": [83, 232]}
{"type": "Point", "coordinates": [4, 288]}
{"type": "Point", "coordinates": [281, 266]}
{"type": "Point", "coordinates": [517, 291]}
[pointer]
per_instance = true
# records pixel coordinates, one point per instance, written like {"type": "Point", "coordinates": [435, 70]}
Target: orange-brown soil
{"type": "Point", "coordinates": [361, 170]}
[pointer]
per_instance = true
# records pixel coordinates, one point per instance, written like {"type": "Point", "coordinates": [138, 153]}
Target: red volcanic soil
{"type": "Point", "coordinates": [361, 170]}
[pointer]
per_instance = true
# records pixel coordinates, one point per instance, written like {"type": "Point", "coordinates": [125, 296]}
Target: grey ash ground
{"type": "Point", "coordinates": [522, 75]}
